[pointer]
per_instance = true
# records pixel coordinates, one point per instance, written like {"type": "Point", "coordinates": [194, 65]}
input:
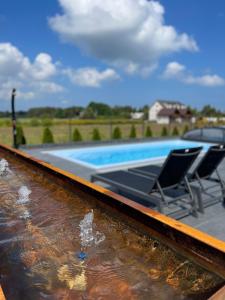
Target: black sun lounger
{"type": "Point", "coordinates": [163, 189]}
{"type": "Point", "coordinates": [199, 177]}
{"type": "Point", "coordinates": [202, 176]}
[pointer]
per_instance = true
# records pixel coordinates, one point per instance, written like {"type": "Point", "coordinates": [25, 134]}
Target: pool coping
{"type": "Point", "coordinates": [188, 241]}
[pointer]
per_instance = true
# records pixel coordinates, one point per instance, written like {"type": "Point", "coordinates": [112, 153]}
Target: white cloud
{"type": "Point", "coordinates": [48, 87]}
{"type": "Point", "coordinates": [30, 78]}
{"type": "Point", "coordinates": [90, 77]}
{"type": "Point", "coordinates": [206, 80]}
{"type": "Point", "coordinates": [35, 79]}
{"type": "Point", "coordinates": [175, 70]}
{"type": "Point", "coordinates": [43, 67]}
{"type": "Point", "coordinates": [130, 34]}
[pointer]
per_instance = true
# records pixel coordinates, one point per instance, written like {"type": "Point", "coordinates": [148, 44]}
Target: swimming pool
{"type": "Point", "coordinates": [114, 156]}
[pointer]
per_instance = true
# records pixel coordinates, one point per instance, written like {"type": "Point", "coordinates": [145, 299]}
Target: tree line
{"type": "Point", "coordinates": [91, 111]}
{"type": "Point", "coordinates": [96, 109]}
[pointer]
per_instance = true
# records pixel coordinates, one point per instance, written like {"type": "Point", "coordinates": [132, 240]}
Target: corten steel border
{"type": "Point", "coordinates": [219, 295]}
{"type": "Point", "coordinates": [2, 296]}
{"type": "Point", "coordinates": [186, 240]}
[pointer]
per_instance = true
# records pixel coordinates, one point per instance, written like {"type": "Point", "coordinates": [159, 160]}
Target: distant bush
{"type": "Point", "coordinates": [77, 135]}
{"type": "Point", "coordinates": [20, 137]}
{"type": "Point", "coordinates": [46, 122]}
{"type": "Point", "coordinates": [175, 131]}
{"type": "Point", "coordinates": [133, 132]}
{"type": "Point", "coordinates": [47, 136]}
{"type": "Point", "coordinates": [117, 133]}
{"type": "Point", "coordinates": [96, 135]}
{"type": "Point", "coordinates": [164, 131]}
{"type": "Point", "coordinates": [34, 122]}
{"type": "Point", "coordinates": [186, 129]}
{"type": "Point", "coordinates": [148, 132]}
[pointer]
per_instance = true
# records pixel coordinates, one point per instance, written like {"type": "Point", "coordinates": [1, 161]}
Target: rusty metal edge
{"type": "Point", "coordinates": [200, 247]}
{"type": "Point", "coordinates": [219, 295]}
{"type": "Point", "coordinates": [2, 296]}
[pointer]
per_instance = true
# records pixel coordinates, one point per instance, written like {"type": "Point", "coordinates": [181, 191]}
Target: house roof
{"type": "Point", "coordinates": [163, 102]}
{"type": "Point", "coordinates": [175, 113]}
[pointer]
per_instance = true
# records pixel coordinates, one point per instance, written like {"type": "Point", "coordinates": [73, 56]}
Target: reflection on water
{"type": "Point", "coordinates": [44, 226]}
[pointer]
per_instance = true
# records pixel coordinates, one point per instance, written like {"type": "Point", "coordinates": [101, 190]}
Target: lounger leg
{"type": "Point", "coordinates": [192, 196]}
{"type": "Point", "coordinates": [198, 195]}
{"type": "Point", "coordinates": [195, 208]}
{"type": "Point", "coordinates": [160, 207]}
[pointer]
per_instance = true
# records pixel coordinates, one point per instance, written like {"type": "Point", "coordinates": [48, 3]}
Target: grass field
{"type": "Point", "coordinates": [62, 129]}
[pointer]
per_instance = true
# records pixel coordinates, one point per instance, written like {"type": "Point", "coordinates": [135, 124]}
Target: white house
{"type": "Point", "coordinates": [164, 112]}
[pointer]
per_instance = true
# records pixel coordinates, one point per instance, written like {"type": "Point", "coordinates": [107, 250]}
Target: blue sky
{"type": "Point", "coordinates": [121, 52]}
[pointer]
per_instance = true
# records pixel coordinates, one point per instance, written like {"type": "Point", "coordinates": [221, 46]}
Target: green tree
{"type": "Point", "coordinates": [20, 137]}
{"type": "Point", "coordinates": [175, 131]}
{"type": "Point", "coordinates": [96, 135]}
{"type": "Point", "coordinates": [133, 134]}
{"type": "Point", "coordinates": [122, 111]}
{"type": "Point", "coordinates": [148, 132]}
{"type": "Point", "coordinates": [100, 109]}
{"type": "Point", "coordinates": [88, 113]}
{"type": "Point", "coordinates": [77, 135]}
{"type": "Point", "coordinates": [117, 133]}
{"type": "Point", "coordinates": [164, 131]}
{"type": "Point", "coordinates": [47, 136]}
{"type": "Point", "coordinates": [210, 111]}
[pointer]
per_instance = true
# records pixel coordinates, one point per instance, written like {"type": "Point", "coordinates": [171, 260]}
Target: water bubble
{"type": "Point", "coordinates": [24, 193]}
{"type": "Point", "coordinates": [4, 167]}
{"type": "Point", "coordinates": [87, 235]}
{"type": "Point", "coordinates": [86, 230]}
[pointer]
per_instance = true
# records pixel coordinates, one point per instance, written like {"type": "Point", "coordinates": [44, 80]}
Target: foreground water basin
{"type": "Point", "coordinates": [40, 242]}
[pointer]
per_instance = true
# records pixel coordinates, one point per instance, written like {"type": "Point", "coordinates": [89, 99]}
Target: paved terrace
{"type": "Point", "coordinates": [211, 222]}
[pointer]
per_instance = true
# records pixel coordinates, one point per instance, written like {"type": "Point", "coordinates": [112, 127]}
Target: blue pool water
{"type": "Point", "coordinates": [109, 156]}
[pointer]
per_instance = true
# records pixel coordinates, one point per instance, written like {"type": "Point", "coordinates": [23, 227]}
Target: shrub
{"type": "Point", "coordinates": [164, 131]}
{"type": "Point", "coordinates": [133, 132]}
{"type": "Point", "coordinates": [117, 133]}
{"type": "Point", "coordinates": [96, 135]}
{"type": "Point", "coordinates": [20, 138]}
{"type": "Point", "coordinates": [186, 129]}
{"type": "Point", "coordinates": [148, 132]}
{"type": "Point", "coordinates": [34, 122]}
{"type": "Point", "coordinates": [175, 131]}
{"type": "Point", "coordinates": [47, 136]}
{"type": "Point", "coordinates": [77, 135]}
